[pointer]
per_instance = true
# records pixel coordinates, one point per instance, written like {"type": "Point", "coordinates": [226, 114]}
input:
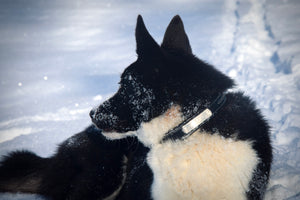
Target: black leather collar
{"type": "Point", "coordinates": [192, 124]}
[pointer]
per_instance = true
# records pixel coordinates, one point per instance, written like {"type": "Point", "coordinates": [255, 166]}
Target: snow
{"type": "Point", "coordinates": [60, 59]}
{"type": "Point", "coordinates": [8, 196]}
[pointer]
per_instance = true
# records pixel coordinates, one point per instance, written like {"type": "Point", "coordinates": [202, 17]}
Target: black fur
{"type": "Point", "coordinates": [87, 166]}
{"type": "Point", "coordinates": [160, 77]}
{"type": "Point", "coordinates": [21, 171]}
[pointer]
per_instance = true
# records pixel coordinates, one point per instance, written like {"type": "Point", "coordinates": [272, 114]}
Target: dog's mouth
{"type": "Point", "coordinates": [117, 127]}
{"type": "Point", "coordinates": [110, 123]}
{"type": "Point", "coordinates": [114, 131]}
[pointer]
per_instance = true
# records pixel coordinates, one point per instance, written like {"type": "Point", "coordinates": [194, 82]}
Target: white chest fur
{"type": "Point", "coordinates": [204, 166]}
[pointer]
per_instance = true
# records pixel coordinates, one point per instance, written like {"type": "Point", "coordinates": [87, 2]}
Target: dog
{"type": "Point", "coordinates": [173, 130]}
{"type": "Point", "coordinates": [204, 141]}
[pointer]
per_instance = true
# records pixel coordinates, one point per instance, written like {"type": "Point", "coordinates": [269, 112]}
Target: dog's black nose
{"type": "Point", "coordinates": [92, 114]}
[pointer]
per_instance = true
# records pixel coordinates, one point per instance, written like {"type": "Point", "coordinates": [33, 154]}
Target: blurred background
{"type": "Point", "coordinates": [61, 58]}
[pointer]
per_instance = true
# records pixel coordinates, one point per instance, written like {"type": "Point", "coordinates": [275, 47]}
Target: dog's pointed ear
{"type": "Point", "coordinates": [175, 36]}
{"type": "Point", "coordinates": [145, 44]}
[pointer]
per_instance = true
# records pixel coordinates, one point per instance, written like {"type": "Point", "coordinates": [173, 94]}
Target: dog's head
{"type": "Point", "coordinates": [161, 76]}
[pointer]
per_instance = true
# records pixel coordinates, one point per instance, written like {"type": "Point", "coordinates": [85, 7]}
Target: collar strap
{"type": "Point", "coordinates": [192, 124]}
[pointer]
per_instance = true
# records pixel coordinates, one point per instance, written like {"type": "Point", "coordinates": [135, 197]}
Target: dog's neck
{"type": "Point", "coordinates": [192, 124]}
{"type": "Point", "coordinates": [172, 125]}
{"type": "Point", "coordinates": [150, 133]}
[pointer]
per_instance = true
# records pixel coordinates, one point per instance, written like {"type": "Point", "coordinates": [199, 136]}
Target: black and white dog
{"type": "Point", "coordinates": [172, 131]}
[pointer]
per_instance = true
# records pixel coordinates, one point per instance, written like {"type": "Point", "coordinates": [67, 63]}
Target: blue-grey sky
{"type": "Point", "coordinates": [60, 58]}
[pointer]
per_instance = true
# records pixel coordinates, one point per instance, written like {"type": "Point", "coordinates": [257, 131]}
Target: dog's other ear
{"type": "Point", "coordinates": [175, 36]}
{"type": "Point", "coordinates": [145, 44]}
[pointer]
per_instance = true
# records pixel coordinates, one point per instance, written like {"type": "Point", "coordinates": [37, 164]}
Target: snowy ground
{"type": "Point", "coordinates": [58, 59]}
